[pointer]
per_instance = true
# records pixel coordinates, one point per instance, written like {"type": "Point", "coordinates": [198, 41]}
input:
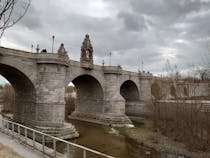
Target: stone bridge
{"type": "Point", "coordinates": [105, 94]}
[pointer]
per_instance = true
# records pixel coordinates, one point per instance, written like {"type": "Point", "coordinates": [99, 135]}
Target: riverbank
{"type": "Point", "coordinates": [126, 142]}
{"type": "Point", "coordinates": [144, 135]}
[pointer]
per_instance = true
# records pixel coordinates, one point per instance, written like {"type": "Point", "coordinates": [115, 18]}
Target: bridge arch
{"type": "Point", "coordinates": [25, 93]}
{"type": "Point", "coordinates": [90, 95]}
{"type": "Point", "coordinates": [129, 91]}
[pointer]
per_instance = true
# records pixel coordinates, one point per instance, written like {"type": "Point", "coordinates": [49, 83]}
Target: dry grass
{"type": "Point", "coordinates": [145, 136]}
{"type": "Point", "coordinates": [6, 152]}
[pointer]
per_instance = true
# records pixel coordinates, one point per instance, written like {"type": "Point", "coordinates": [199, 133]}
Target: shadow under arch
{"type": "Point", "coordinates": [89, 94]}
{"type": "Point", "coordinates": [130, 93]}
{"type": "Point", "coordinates": [25, 93]}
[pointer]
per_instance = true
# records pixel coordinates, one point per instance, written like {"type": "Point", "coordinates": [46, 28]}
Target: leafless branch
{"type": "Point", "coordinates": [11, 12]}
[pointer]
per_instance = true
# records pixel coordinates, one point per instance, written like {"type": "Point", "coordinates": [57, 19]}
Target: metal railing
{"type": "Point", "coordinates": [30, 137]}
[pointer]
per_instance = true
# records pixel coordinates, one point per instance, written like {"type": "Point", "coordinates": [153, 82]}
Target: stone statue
{"type": "Point", "coordinates": [62, 51]}
{"type": "Point", "coordinates": [86, 51]}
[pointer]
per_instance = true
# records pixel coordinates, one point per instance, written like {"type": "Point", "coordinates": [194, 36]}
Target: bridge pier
{"type": "Point", "coordinates": [50, 104]}
{"type": "Point", "coordinates": [114, 103]}
{"type": "Point", "coordinates": [135, 108]}
{"type": "Point", "coordinates": [113, 114]}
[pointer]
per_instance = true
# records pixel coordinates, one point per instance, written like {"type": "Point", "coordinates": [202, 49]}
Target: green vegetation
{"type": "Point", "coordinates": [115, 130]}
{"type": "Point", "coordinates": [121, 130]}
{"type": "Point", "coordinates": [107, 128]}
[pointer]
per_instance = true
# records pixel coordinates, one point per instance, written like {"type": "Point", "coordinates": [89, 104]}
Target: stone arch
{"type": "Point", "coordinates": [89, 94]}
{"type": "Point", "coordinates": [25, 93]}
{"type": "Point", "coordinates": [129, 91]}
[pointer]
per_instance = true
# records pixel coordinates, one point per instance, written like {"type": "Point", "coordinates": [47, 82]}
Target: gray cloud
{"type": "Point", "coordinates": [168, 11]}
{"type": "Point", "coordinates": [32, 19]}
{"type": "Point", "coordinates": [132, 22]}
{"type": "Point", "coordinates": [133, 30]}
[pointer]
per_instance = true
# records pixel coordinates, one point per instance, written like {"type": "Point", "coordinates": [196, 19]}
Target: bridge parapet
{"type": "Point", "coordinates": [145, 75]}
{"type": "Point", "coordinates": [38, 56]}
{"type": "Point", "coordinates": [77, 64]}
{"type": "Point", "coordinates": [112, 70]}
{"type": "Point", "coordinates": [51, 58]}
{"type": "Point", "coordinates": [15, 52]}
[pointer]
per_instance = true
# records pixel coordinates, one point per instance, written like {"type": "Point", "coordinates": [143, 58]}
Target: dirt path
{"type": "Point", "coordinates": [7, 152]}
{"type": "Point", "coordinates": [11, 148]}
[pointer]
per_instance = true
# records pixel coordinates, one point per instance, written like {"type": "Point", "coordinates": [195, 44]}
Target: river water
{"type": "Point", "coordinates": [94, 137]}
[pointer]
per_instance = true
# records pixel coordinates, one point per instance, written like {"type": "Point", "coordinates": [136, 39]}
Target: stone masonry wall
{"type": "Point", "coordinates": [50, 94]}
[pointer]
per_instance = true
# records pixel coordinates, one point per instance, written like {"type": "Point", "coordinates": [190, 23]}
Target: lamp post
{"type": "Point", "coordinates": [110, 55]}
{"type": "Point", "coordinates": [32, 46]}
{"type": "Point", "coordinates": [53, 40]}
{"type": "Point", "coordinates": [37, 48]}
{"type": "Point", "coordinates": [103, 63]}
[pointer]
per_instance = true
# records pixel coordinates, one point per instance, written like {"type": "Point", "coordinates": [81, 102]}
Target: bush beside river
{"type": "Point", "coordinates": [144, 135]}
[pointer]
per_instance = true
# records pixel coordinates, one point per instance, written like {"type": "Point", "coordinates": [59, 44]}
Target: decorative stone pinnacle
{"type": "Point", "coordinates": [86, 51]}
{"type": "Point", "coordinates": [62, 51]}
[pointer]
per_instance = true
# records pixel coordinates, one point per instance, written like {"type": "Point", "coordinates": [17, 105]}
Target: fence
{"type": "Point", "coordinates": [38, 140]}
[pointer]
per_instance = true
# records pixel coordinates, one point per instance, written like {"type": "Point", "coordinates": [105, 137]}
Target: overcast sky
{"type": "Point", "coordinates": [151, 31]}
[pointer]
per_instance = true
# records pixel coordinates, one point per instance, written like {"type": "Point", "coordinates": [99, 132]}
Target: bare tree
{"type": "Point", "coordinates": [183, 119]}
{"type": "Point", "coordinates": [70, 97]}
{"type": "Point", "coordinates": [12, 11]}
{"type": "Point", "coordinates": [203, 71]}
{"type": "Point", "coordinates": [8, 98]}
{"type": "Point", "coordinates": [206, 56]}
